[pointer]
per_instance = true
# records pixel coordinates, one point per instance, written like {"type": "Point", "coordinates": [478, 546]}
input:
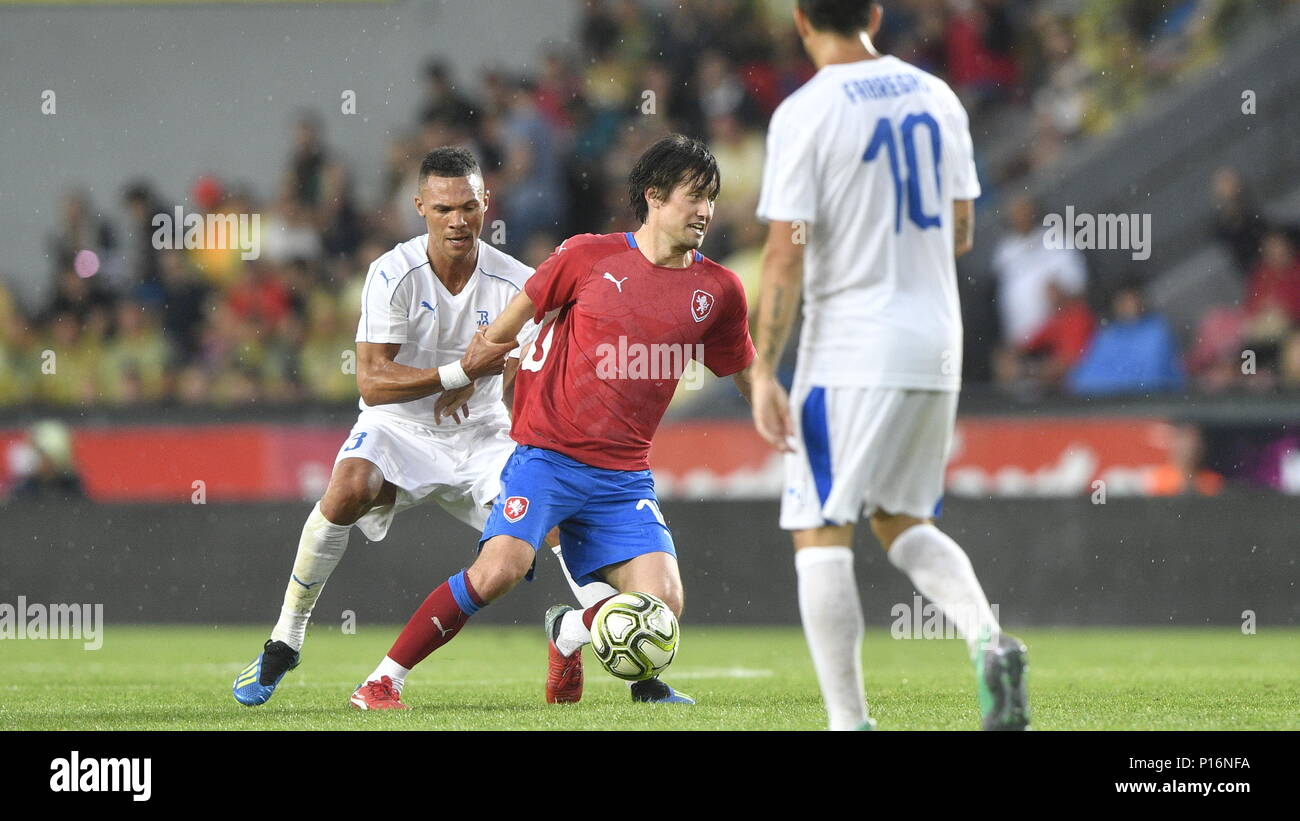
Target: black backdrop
{"type": "Point", "coordinates": [1182, 562]}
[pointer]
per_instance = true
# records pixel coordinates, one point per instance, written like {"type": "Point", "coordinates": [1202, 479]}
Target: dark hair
{"type": "Point", "coordinates": [844, 17]}
{"type": "Point", "coordinates": [449, 161]}
{"type": "Point", "coordinates": [673, 161]}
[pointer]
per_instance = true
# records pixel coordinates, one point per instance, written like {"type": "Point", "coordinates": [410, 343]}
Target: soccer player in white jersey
{"type": "Point", "coordinates": [868, 194]}
{"type": "Point", "coordinates": [422, 303]}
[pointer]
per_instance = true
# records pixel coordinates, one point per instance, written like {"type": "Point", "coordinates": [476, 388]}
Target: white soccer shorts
{"type": "Point", "coordinates": [459, 469]}
{"type": "Point", "coordinates": [859, 450]}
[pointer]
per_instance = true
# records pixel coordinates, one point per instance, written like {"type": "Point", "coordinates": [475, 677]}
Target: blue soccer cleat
{"type": "Point", "coordinates": [654, 691]}
{"type": "Point", "coordinates": [256, 684]}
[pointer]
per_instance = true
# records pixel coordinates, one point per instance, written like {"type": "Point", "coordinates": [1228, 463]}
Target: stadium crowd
{"type": "Point", "coordinates": [131, 323]}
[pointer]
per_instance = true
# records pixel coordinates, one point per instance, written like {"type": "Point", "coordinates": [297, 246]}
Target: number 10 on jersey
{"type": "Point", "coordinates": [909, 187]}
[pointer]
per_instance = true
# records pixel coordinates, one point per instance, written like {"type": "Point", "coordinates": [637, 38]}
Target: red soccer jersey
{"type": "Point", "coordinates": [604, 367]}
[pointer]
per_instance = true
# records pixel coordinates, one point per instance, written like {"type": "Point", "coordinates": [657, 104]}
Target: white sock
{"type": "Point", "coordinates": [319, 549]}
{"type": "Point", "coordinates": [941, 571]}
{"type": "Point", "coordinates": [833, 624]}
{"type": "Point", "coordinates": [573, 633]}
{"type": "Point", "coordinates": [393, 670]}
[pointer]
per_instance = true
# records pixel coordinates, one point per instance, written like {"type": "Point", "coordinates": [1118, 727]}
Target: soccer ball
{"type": "Point", "coordinates": [635, 636]}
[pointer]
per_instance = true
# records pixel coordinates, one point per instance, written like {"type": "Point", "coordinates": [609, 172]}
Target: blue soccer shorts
{"type": "Point", "coordinates": [605, 516]}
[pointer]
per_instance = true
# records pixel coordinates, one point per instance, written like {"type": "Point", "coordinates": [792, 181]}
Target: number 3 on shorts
{"type": "Point", "coordinates": [356, 441]}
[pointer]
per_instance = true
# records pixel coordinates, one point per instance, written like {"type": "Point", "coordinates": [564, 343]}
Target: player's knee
{"type": "Point", "coordinates": [675, 600]}
{"type": "Point", "coordinates": [671, 593]}
{"type": "Point", "coordinates": [499, 567]}
{"type": "Point", "coordinates": [889, 526]}
{"type": "Point", "coordinates": [350, 494]}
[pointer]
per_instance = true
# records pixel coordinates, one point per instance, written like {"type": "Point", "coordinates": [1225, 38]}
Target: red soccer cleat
{"type": "Point", "coordinates": [563, 675]}
{"type": "Point", "coordinates": [377, 695]}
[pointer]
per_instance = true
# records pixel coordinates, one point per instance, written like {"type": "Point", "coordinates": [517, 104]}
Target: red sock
{"type": "Point", "coordinates": [436, 622]}
{"type": "Point", "coordinates": [588, 615]}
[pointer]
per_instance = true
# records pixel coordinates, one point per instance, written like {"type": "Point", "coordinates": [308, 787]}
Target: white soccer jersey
{"type": "Point", "coordinates": [869, 156]}
{"type": "Point", "coordinates": [404, 302]}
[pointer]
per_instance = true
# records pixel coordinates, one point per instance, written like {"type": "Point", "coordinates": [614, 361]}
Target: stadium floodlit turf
{"type": "Point", "coordinates": [178, 678]}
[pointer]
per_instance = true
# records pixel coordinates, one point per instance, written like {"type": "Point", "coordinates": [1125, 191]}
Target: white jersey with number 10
{"type": "Point", "coordinates": [867, 159]}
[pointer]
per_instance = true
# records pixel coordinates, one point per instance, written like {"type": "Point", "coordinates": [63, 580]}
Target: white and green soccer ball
{"type": "Point", "coordinates": [635, 636]}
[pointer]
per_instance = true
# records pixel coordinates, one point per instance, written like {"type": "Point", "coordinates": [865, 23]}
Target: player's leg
{"type": "Point", "coordinates": [654, 573]}
{"type": "Point", "coordinates": [355, 486]}
{"type": "Point", "coordinates": [830, 610]}
{"type": "Point", "coordinates": [822, 478]}
{"type": "Point", "coordinates": [564, 675]}
{"type": "Point", "coordinates": [503, 562]}
{"type": "Point", "coordinates": [903, 493]}
{"type": "Point", "coordinates": [569, 629]}
{"type": "Point", "coordinates": [620, 537]}
{"type": "Point", "coordinates": [942, 572]}
{"type": "Point", "coordinates": [535, 495]}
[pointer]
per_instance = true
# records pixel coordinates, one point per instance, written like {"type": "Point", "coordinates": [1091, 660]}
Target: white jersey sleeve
{"type": "Point", "coordinates": [790, 170]}
{"type": "Point", "coordinates": [965, 180]}
{"type": "Point", "coordinates": [385, 306]}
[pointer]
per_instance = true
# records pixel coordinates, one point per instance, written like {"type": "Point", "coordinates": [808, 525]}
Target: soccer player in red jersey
{"type": "Point", "coordinates": [585, 414]}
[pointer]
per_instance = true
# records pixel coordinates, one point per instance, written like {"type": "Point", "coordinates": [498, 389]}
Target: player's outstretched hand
{"type": "Point", "coordinates": [771, 408]}
{"type": "Point", "coordinates": [484, 358]}
{"type": "Point", "coordinates": [453, 404]}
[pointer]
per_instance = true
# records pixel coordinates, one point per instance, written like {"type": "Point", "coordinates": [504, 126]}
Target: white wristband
{"type": "Point", "coordinates": [452, 376]}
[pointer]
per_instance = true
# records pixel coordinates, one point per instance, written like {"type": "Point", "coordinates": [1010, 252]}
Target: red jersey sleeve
{"type": "Point", "coordinates": [728, 348]}
{"type": "Point", "coordinates": [555, 283]}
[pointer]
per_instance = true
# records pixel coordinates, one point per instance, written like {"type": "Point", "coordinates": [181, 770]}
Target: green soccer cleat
{"type": "Point", "coordinates": [1001, 671]}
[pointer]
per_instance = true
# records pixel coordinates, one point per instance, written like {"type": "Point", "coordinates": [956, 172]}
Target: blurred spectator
{"type": "Point", "coordinates": [1134, 353]}
{"type": "Point", "coordinates": [140, 269]}
{"type": "Point", "coordinates": [184, 296]}
{"type": "Point", "coordinates": [307, 163]}
{"type": "Point", "coordinates": [1024, 267]}
{"type": "Point", "coordinates": [534, 195]}
{"type": "Point", "coordinates": [442, 101]}
{"type": "Point", "coordinates": [979, 59]}
{"type": "Point", "coordinates": [1274, 284]}
{"type": "Point", "coordinates": [1185, 473]}
{"type": "Point", "coordinates": [1237, 221]}
{"type": "Point", "coordinates": [1041, 363]}
{"type": "Point", "coordinates": [44, 465]}
{"type": "Point", "coordinates": [83, 229]}
{"type": "Point", "coordinates": [19, 357]}
{"type": "Point", "coordinates": [133, 365]}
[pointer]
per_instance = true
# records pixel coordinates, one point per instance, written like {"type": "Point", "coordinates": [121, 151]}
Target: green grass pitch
{"type": "Point", "coordinates": [744, 678]}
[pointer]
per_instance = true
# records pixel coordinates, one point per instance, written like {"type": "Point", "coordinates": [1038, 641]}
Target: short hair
{"type": "Point", "coordinates": [844, 17]}
{"type": "Point", "coordinates": [673, 161]}
{"type": "Point", "coordinates": [449, 161]}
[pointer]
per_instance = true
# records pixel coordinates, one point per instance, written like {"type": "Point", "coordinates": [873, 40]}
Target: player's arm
{"type": "Point", "coordinates": [501, 337]}
{"type": "Point", "coordinates": [745, 383]}
{"type": "Point", "coordinates": [383, 381]}
{"type": "Point", "coordinates": [963, 226]}
{"type": "Point", "coordinates": [508, 383]}
{"type": "Point", "coordinates": [778, 304]}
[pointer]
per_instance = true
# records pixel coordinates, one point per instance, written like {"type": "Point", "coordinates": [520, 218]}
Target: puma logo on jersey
{"type": "Point", "coordinates": [385, 276]}
{"type": "Point", "coordinates": [427, 305]}
{"type": "Point", "coordinates": [618, 283]}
